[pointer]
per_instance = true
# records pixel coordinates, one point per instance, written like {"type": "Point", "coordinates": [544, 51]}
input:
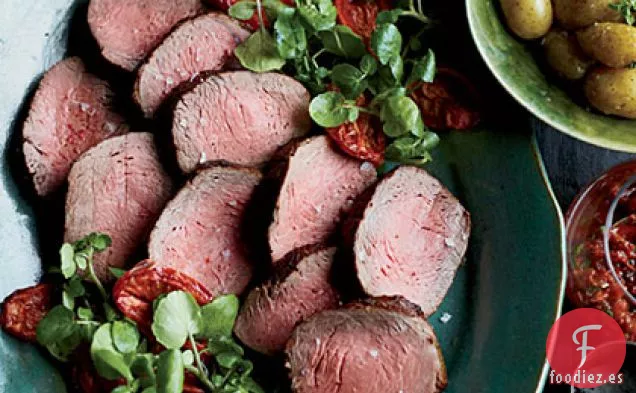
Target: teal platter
{"type": "Point", "coordinates": [494, 321]}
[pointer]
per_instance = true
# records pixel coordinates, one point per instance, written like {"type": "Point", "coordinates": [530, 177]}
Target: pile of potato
{"type": "Point", "coordinates": [583, 39]}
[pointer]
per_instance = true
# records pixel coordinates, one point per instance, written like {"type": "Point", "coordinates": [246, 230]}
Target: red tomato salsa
{"type": "Point", "coordinates": [590, 282]}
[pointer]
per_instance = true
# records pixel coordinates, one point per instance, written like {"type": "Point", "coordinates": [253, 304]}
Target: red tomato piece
{"type": "Point", "coordinates": [24, 309]}
{"type": "Point", "coordinates": [135, 291]}
{"type": "Point", "coordinates": [360, 15]}
{"type": "Point", "coordinates": [449, 102]}
{"type": "Point", "coordinates": [362, 139]}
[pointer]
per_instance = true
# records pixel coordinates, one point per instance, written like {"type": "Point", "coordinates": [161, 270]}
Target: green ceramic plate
{"type": "Point", "coordinates": [502, 303]}
{"type": "Point", "coordinates": [515, 67]}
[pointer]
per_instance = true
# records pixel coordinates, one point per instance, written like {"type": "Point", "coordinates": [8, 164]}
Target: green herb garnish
{"type": "Point", "coordinates": [307, 43]}
{"type": "Point", "coordinates": [626, 8]}
{"type": "Point", "coordinates": [117, 348]}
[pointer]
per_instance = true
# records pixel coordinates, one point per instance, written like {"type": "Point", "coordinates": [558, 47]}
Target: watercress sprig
{"type": "Point", "coordinates": [307, 42]}
{"type": "Point", "coordinates": [626, 8]}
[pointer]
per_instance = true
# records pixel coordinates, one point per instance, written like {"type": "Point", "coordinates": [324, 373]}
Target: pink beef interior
{"type": "Point", "coordinates": [240, 117]}
{"type": "Point", "coordinates": [70, 113]}
{"type": "Point", "coordinates": [128, 30]}
{"type": "Point", "coordinates": [320, 185]}
{"type": "Point", "coordinates": [201, 44]}
{"type": "Point", "coordinates": [411, 239]}
{"type": "Point", "coordinates": [365, 350]}
{"type": "Point", "coordinates": [270, 312]}
{"type": "Point", "coordinates": [118, 188]}
{"type": "Point", "coordinates": [198, 233]}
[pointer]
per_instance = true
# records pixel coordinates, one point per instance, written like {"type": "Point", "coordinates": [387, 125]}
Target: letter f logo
{"type": "Point", "coordinates": [584, 348]}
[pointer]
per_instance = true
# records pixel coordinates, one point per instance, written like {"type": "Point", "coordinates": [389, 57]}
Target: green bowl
{"type": "Point", "coordinates": [504, 300]}
{"type": "Point", "coordinates": [513, 64]}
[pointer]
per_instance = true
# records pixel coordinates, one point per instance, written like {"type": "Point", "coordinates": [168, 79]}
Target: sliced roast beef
{"type": "Point", "coordinates": [128, 30]}
{"type": "Point", "coordinates": [199, 231]}
{"type": "Point", "coordinates": [205, 43]}
{"type": "Point", "coordinates": [320, 185]}
{"type": "Point", "coordinates": [119, 188]}
{"type": "Point", "coordinates": [379, 346]}
{"type": "Point", "coordinates": [240, 117]}
{"type": "Point", "coordinates": [270, 312]}
{"type": "Point", "coordinates": [70, 113]}
{"type": "Point", "coordinates": [411, 239]}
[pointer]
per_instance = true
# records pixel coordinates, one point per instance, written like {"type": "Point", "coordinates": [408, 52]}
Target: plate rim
{"type": "Point", "coordinates": [538, 158]}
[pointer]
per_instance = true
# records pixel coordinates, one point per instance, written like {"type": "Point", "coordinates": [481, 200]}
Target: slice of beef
{"type": "Point", "coordinates": [118, 188]}
{"type": "Point", "coordinates": [128, 30]}
{"type": "Point", "coordinates": [199, 231]}
{"type": "Point", "coordinates": [240, 117]}
{"type": "Point", "coordinates": [411, 239]}
{"type": "Point", "coordinates": [271, 311]}
{"type": "Point", "coordinates": [70, 113]}
{"type": "Point", "coordinates": [378, 346]}
{"type": "Point", "coordinates": [205, 43]}
{"type": "Point", "coordinates": [320, 185]}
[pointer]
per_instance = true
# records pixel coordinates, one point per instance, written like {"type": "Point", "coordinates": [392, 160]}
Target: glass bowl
{"type": "Point", "coordinates": [601, 247]}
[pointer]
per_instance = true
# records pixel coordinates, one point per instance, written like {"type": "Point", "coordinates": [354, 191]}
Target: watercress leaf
{"type": "Point", "coordinates": [188, 357]}
{"type": "Point", "coordinates": [349, 79]}
{"type": "Point", "coordinates": [110, 312]}
{"type": "Point", "coordinates": [218, 316]}
{"type": "Point", "coordinates": [389, 16]}
{"type": "Point", "coordinates": [327, 109]}
{"type": "Point", "coordinates": [68, 301]}
{"type": "Point", "coordinates": [116, 272]}
{"type": "Point", "coordinates": [397, 68]}
{"type": "Point", "coordinates": [67, 263]}
{"type": "Point", "coordinates": [410, 149]}
{"type": "Point", "coordinates": [142, 367]}
{"type": "Point", "coordinates": [81, 260]}
{"type": "Point", "coordinates": [99, 241]}
{"type": "Point", "coordinates": [290, 36]}
{"type": "Point", "coordinates": [149, 389]}
{"type": "Point", "coordinates": [322, 72]}
{"type": "Point", "coordinates": [275, 8]}
{"type": "Point", "coordinates": [320, 15]}
{"type": "Point", "coordinates": [423, 69]}
{"type": "Point", "coordinates": [125, 336]}
{"type": "Point", "coordinates": [259, 53]}
{"type": "Point", "coordinates": [386, 42]}
{"type": "Point", "coordinates": [177, 316]}
{"type": "Point", "coordinates": [121, 389]}
{"type": "Point", "coordinates": [242, 10]}
{"type": "Point", "coordinates": [55, 326]}
{"type": "Point", "coordinates": [353, 115]}
{"type": "Point", "coordinates": [109, 363]}
{"type": "Point", "coordinates": [223, 344]}
{"type": "Point", "coordinates": [368, 64]}
{"type": "Point", "coordinates": [244, 368]}
{"type": "Point", "coordinates": [227, 359]}
{"type": "Point", "coordinates": [65, 346]}
{"type": "Point", "coordinates": [342, 41]}
{"type": "Point", "coordinates": [251, 386]}
{"type": "Point", "coordinates": [85, 314]}
{"type": "Point", "coordinates": [384, 79]}
{"type": "Point", "coordinates": [75, 287]}
{"type": "Point", "coordinates": [170, 372]}
{"type": "Point", "coordinates": [400, 116]}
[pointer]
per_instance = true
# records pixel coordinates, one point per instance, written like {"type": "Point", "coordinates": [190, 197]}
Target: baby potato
{"type": "Point", "coordinates": [564, 55]}
{"type": "Point", "coordinates": [612, 90]}
{"type": "Point", "coordinates": [529, 19]}
{"type": "Point", "coordinates": [575, 14]}
{"type": "Point", "coordinates": [613, 44]}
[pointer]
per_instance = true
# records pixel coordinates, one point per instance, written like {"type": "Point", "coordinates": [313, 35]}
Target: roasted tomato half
{"type": "Point", "coordinates": [135, 291]}
{"type": "Point", "coordinates": [361, 139]}
{"type": "Point", "coordinates": [360, 15]}
{"type": "Point", "coordinates": [24, 309]}
{"type": "Point", "coordinates": [449, 102]}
